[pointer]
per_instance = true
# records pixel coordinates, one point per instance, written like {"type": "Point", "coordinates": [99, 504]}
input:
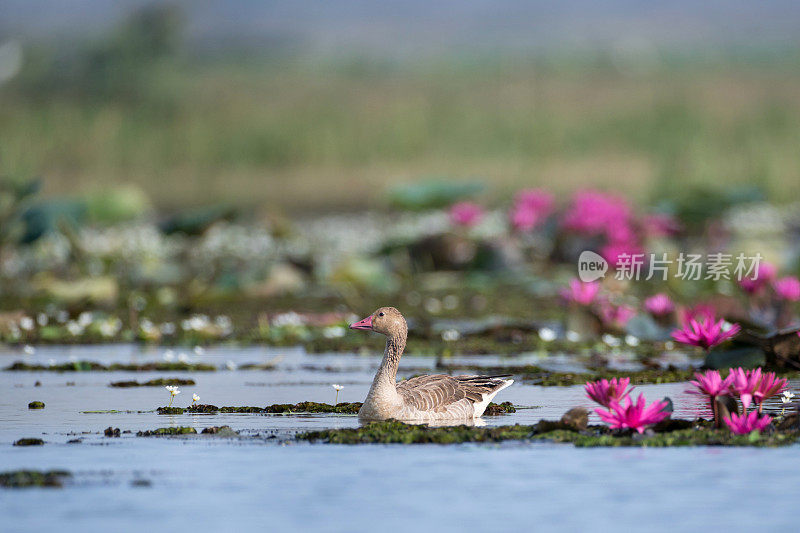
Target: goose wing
{"type": "Point", "coordinates": [436, 391]}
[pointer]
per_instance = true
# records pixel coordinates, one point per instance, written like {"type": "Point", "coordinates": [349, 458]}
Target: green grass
{"type": "Point", "coordinates": [307, 137]}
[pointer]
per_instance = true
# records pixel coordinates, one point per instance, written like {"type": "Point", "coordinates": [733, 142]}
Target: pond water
{"type": "Point", "coordinates": [207, 482]}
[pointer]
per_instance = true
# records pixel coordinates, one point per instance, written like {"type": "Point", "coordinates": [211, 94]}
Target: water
{"type": "Point", "coordinates": [204, 482]}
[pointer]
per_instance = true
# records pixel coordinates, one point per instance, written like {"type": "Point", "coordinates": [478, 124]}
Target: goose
{"type": "Point", "coordinates": [424, 398]}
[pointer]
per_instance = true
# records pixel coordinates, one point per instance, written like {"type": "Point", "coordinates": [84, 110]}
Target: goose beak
{"type": "Point", "coordinates": [363, 324]}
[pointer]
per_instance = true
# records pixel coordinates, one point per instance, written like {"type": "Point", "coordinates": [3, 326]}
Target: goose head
{"type": "Point", "coordinates": [386, 320]}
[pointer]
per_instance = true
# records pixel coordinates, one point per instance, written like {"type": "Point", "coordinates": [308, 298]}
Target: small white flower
{"type": "Point", "coordinates": [611, 340]}
{"type": "Point", "coordinates": [169, 355]}
{"type": "Point", "coordinates": [230, 365]}
{"type": "Point", "coordinates": [74, 328]}
{"type": "Point", "coordinates": [28, 349]}
{"type": "Point", "coordinates": [51, 362]}
{"type": "Point", "coordinates": [547, 334]}
{"type": "Point", "coordinates": [42, 319]}
{"type": "Point", "coordinates": [26, 323]}
{"type": "Point", "coordinates": [85, 318]}
{"type": "Point", "coordinates": [173, 389]}
{"type": "Point", "coordinates": [199, 350]}
{"type": "Point", "coordinates": [168, 328]}
{"type": "Point", "coordinates": [787, 396]}
{"type": "Point", "coordinates": [195, 398]}
{"type": "Point", "coordinates": [450, 335]}
{"type": "Point", "coordinates": [337, 387]}
{"type": "Point", "coordinates": [631, 340]}
{"type": "Point", "coordinates": [573, 336]}
{"type": "Point", "coordinates": [183, 358]}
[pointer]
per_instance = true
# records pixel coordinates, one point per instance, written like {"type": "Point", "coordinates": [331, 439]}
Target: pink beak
{"type": "Point", "coordinates": [363, 324]}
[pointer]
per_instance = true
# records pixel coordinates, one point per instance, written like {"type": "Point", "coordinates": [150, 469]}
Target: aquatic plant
{"type": "Point", "coordinates": [465, 214]}
{"type": "Point", "coordinates": [711, 384]}
{"type": "Point", "coordinates": [786, 397]}
{"type": "Point", "coordinates": [582, 293]}
{"type": "Point", "coordinates": [616, 316]}
{"type": "Point", "coordinates": [769, 386]}
{"type": "Point", "coordinates": [634, 415]}
{"type": "Point", "coordinates": [659, 305]}
{"type": "Point", "coordinates": [173, 391]}
{"type": "Point", "coordinates": [531, 208]}
{"type": "Point", "coordinates": [605, 392]}
{"type": "Point", "coordinates": [766, 273]}
{"type": "Point", "coordinates": [337, 388]}
{"type": "Point", "coordinates": [705, 333]}
{"type": "Point", "coordinates": [195, 398]}
{"type": "Point", "coordinates": [745, 383]}
{"type": "Point", "coordinates": [787, 288]}
{"type": "Point", "coordinates": [747, 422]}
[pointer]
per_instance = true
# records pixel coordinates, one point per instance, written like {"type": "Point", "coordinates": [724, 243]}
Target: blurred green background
{"type": "Point", "coordinates": [323, 107]}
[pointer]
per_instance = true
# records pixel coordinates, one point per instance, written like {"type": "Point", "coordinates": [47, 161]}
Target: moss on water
{"type": "Point", "coordinates": [170, 410]}
{"type": "Point", "coordinates": [19, 479]}
{"type": "Point", "coordinates": [495, 409]}
{"type": "Point", "coordinates": [36, 405]}
{"type": "Point", "coordinates": [181, 430]}
{"type": "Point", "coordinates": [394, 432]}
{"type": "Point", "coordinates": [158, 382]}
{"type": "Point", "coordinates": [91, 366]}
{"type": "Point", "coordinates": [29, 442]}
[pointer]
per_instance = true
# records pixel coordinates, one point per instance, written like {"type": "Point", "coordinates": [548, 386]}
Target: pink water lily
{"type": "Point", "coordinates": [580, 292]}
{"type": "Point", "coordinates": [605, 392]}
{"type": "Point", "coordinates": [766, 273]}
{"type": "Point", "coordinates": [636, 415]}
{"type": "Point", "coordinates": [465, 214]}
{"type": "Point", "coordinates": [746, 423]}
{"type": "Point", "coordinates": [711, 384]}
{"type": "Point", "coordinates": [745, 384]}
{"type": "Point", "coordinates": [769, 386]}
{"type": "Point", "coordinates": [787, 288]}
{"type": "Point", "coordinates": [617, 316]}
{"type": "Point", "coordinates": [659, 305]}
{"type": "Point", "coordinates": [531, 208]}
{"type": "Point", "coordinates": [705, 333]}
{"type": "Point", "coordinates": [699, 312]}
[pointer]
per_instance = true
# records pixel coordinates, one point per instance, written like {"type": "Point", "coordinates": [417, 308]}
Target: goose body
{"type": "Point", "coordinates": [422, 398]}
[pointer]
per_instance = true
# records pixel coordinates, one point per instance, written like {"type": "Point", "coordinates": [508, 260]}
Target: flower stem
{"type": "Point", "coordinates": [171, 397]}
{"type": "Point", "coordinates": [715, 410]}
{"type": "Point", "coordinates": [336, 401]}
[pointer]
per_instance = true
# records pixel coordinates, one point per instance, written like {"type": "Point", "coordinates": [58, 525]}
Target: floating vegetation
{"type": "Point", "coordinates": [111, 432]}
{"type": "Point", "coordinates": [220, 431]}
{"type": "Point", "coordinates": [181, 430]}
{"type": "Point", "coordinates": [158, 382]}
{"type": "Point", "coordinates": [92, 366]}
{"type": "Point", "coordinates": [20, 479]}
{"type": "Point", "coordinates": [29, 442]}
{"type": "Point", "coordinates": [170, 410]}
{"type": "Point", "coordinates": [494, 409]}
{"type": "Point", "coordinates": [36, 405]}
{"type": "Point", "coordinates": [670, 433]}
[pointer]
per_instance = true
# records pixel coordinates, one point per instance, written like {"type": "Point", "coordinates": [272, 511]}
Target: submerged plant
{"type": "Point", "coordinates": [632, 415]}
{"type": "Point", "coordinates": [605, 392]}
{"type": "Point", "coordinates": [336, 387]}
{"type": "Point", "coordinates": [746, 423]}
{"type": "Point", "coordinates": [705, 333]}
{"type": "Point", "coordinates": [173, 391]}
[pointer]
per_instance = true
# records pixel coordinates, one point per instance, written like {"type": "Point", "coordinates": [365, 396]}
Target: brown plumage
{"type": "Point", "coordinates": [430, 397]}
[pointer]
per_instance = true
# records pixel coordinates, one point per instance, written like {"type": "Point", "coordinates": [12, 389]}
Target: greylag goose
{"type": "Point", "coordinates": [424, 398]}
